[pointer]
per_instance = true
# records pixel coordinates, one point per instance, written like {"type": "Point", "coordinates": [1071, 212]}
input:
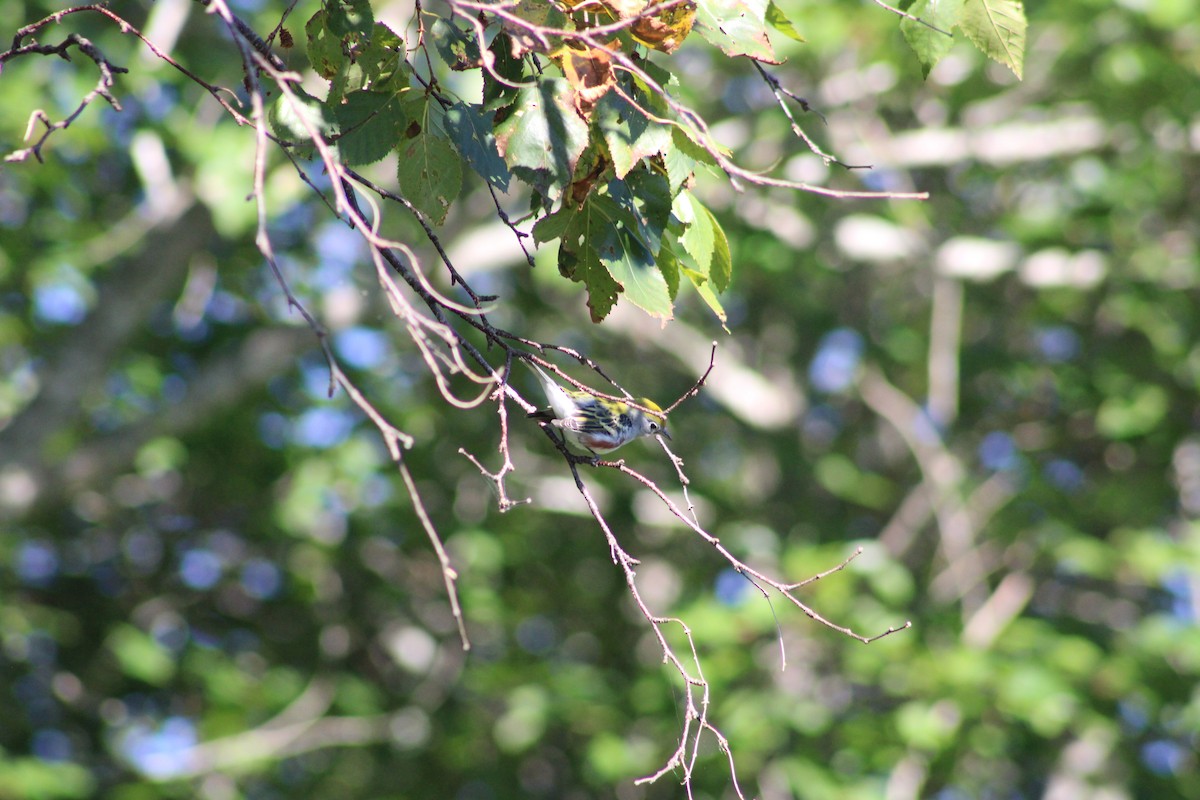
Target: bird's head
{"type": "Point", "coordinates": [654, 422]}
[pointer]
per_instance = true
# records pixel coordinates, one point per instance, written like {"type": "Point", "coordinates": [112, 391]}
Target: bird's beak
{"type": "Point", "coordinates": [663, 433]}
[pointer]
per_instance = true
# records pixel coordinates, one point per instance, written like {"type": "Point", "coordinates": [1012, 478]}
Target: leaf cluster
{"type": "Point", "coordinates": [574, 111]}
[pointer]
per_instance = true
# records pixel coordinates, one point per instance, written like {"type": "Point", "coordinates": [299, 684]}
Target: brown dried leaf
{"type": "Point", "coordinates": [590, 74]}
{"type": "Point", "coordinates": [666, 30]}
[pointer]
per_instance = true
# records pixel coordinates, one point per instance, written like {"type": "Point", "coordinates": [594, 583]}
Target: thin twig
{"type": "Point", "coordinates": [779, 91]}
{"type": "Point", "coordinates": [911, 18]}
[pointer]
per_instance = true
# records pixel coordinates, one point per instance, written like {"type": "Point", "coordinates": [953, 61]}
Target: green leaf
{"type": "Point", "coordinates": [699, 238]}
{"type": "Point", "coordinates": [543, 137]}
{"type": "Point", "coordinates": [349, 16]}
{"type": "Point", "coordinates": [643, 202]}
{"type": "Point", "coordinates": [930, 45]}
{"type": "Point", "coordinates": [471, 132]}
{"type": "Point", "coordinates": [42, 779]}
{"type": "Point", "coordinates": [542, 13]}
{"type": "Point", "coordinates": [705, 241]}
{"type": "Point", "coordinates": [430, 169]}
{"type": "Point", "coordinates": [668, 265]}
{"type": "Point", "coordinates": [737, 27]}
{"type": "Point", "coordinates": [538, 14]}
{"type": "Point", "coordinates": [369, 59]}
{"type": "Point", "coordinates": [629, 135]}
{"type": "Point", "coordinates": [1132, 414]}
{"type": "Point", "coordinates": [703, 286]}
{"type": "Point", "coordinates": [371, 123]}
{"type": "Point", "coordinates": [599, 249]}
{"type": "Point", "coordinates": [997, 27]}
{"type": "Point", "coordinates": [459, 50]}
{"type": "Point", "coordinates": [292, 120]}
{"type": "Point", "coordinates": [680, 168]}
{"type": "Point", "coordinates": [140, 656]}
{"type": "Point", "coordinates": [721, 270]}
{"type": "Point", "coordinates": [839, 476]}
{"type": "Point", "coordinates": [324, 48]}
{"type": "Point", "coordinates": [779, 21]}
{"type": "Point", "coordinates": [634, 267]}
{"type": "Point", "coordinates": [382, 60]}
{"type": "Point", "coordinates": [579, 231]}
{"type": "Point", "coordinates": [705, 290]}
{"type": "Point", "coordinates": [496, 93]}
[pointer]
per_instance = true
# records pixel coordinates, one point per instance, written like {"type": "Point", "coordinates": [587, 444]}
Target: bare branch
{"type": "Point", "coordinates": [779, 91]}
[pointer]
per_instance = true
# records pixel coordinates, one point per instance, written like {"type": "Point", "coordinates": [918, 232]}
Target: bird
{"type": "Point", "coordinates": [597, 424]}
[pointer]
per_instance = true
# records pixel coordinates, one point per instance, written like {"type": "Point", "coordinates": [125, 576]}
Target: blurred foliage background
{"type": "Point", "coordinates": [214, 585]}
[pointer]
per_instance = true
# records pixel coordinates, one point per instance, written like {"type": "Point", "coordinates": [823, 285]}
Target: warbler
{"type": "Point", "coordinates": [596, 424]}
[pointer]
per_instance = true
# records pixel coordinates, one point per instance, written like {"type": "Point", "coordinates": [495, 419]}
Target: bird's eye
{"type": "Point", "coordinates": [653, 426]}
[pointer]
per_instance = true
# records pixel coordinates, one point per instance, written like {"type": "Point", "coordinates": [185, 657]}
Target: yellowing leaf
{"type": "Point", "coordinates": [590, 74]}
{"type": "Point", "coordinates": [666, 30]}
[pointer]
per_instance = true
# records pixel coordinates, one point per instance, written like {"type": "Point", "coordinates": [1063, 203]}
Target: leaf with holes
{"type": "Point", "coordinates": [737, 27]}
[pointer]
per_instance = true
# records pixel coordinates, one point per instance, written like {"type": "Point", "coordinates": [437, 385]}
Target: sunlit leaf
{"type": "Point", "coordinates": [721, 268]}
{"type": "Point", "coordinates": [543, 137]}
{"type": "Point", "coordinates": [737, 27]}
{"type": "Point", "coordinates": [997, 27]}
{"type": "Point", "coordinates": [296, 120]}
{"type": "Point", "coordinates": [665, 30]}
{"type": "Point", "coordinates": [627, 132]}
{"type": "Point", "coordinates": [1132, 414]}
{"type": "Point", "coordinates": [597, 238]}
{"type": "Point", "coordinates": [634, 267]}
{"type": "Point", "coordinates": [930, 45]}
{"type": "Point", "coordinates": [457, 48]}
{"type": "Point", "coordinates": [590, 74]}
{"type": "Point", "coordinates": [43, 779]}
{"type": "Point", "coordinates": [699, 238]}
{"type": "Point", "coordinates": [539, 16]}
{"type": "Point", "coordinates": [780, 22]}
